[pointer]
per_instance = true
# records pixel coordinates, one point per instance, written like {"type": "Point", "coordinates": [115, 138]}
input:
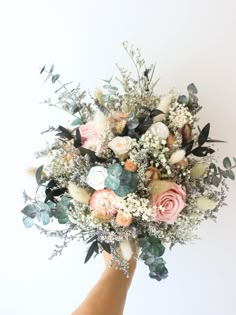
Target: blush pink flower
{"type": "Point", "coordinates": [90, 137]}
{"type": "Point", "coordinates": [169, 203]}
{"type": "Point", "coordinates": [104, 201]}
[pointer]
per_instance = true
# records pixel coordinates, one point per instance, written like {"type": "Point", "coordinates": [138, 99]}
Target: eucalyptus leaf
{"type": "Point", "coordinates": [230, 174]}
{"type": "Point", "coordinates": [27, 221]}
{"type": "Point", "coordinates": [227, 163]}
{"type": "Point", "coordinates": [77, 121]}
{"type": "Point", "coordinates": [52, 68]}
{"type": "Point", "coordinates": [182, 99]}
{"type": "Point", "coordinates": [234, 160]}
{"type": "Point", "coordinates": [30, 211]}
{"type": "Point", "coordinates": [192, 88]}
{"type": "Point", "coordinates": [55, 78]}
{"type": "Point", "coordinates": [42, 70]}
{"type": "Point", "coordinates": [63, 220]}
{"type": "Point", "coordinates": [45, 217]}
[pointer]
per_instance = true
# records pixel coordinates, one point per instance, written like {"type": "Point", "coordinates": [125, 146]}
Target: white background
{"type": "Point", "coordinates": [189, 41]}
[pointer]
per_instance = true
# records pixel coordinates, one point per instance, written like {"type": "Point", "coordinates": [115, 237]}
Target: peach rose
{"type": "Point", "coordinates": [120, 145]}
{"type": "Point", "coordinates": [169, 202]}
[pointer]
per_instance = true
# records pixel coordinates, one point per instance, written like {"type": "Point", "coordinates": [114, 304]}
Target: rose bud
{"type": "Point", "coordinates": [186, 132]}
{"type": "Point", "coordinates": [130, 166]}
{"type": "Point", "coordinates": [152, 173]}
{"type": "Point", "coordinates": [170, 140]}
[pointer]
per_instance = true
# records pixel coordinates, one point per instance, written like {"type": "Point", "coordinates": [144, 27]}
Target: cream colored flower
{"type": "Point", "coordinates": [160, 130]}
{"type": "Point", "coordinates": [120, 145]}
{"type": "Point", "coordinates": [177, 157]}
{"type": "Point", "coordinates": [198, 170]}
{"type": "Point", "coordinates": [78, 193]}
{"type": "Point", "coordinates": [204, 203]}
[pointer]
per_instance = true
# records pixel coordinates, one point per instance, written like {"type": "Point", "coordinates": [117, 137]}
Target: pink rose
{"type": "Point", "coordinates": [90, 137]}
{"type": "Point", "coordinates": [169, 203]}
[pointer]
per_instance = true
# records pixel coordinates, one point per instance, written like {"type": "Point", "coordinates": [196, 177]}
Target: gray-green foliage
{"type": "Point", "coordinates": [43, 212]}
{"type": "Point", "coordinates": [119, 180]}
{"type": "Point", "coordinates": [151, 252]}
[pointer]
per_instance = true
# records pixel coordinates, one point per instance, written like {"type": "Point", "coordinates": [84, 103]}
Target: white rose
{"type": "Point", "coordinates": [120, 145]}
{"type": "Point", "coordinates": [177, 157]}
{"type": "Point", "coordinates": [164, 103]}
{"type": "Point", "coordinates": [96, 177]}
{"type": "Point", "coordinates": [160, 130]}
{"type": "Point", "coordinates": [204, 203]}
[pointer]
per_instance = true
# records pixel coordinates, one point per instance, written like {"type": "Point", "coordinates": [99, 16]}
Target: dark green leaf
{"type": "Point", "coordinates": [202, 151]}
{"type": "Point", "coordinates": [92, 155]}
{"type": "Point", "coordinates": [78, 141]}
{"type": "Point", "coordinates": [93, 238]}
{"type": "Point", "coordinates": [92, 249]}
{"type": "Point", "coordinates": [43, 68]}
{"type": "Point", "coordinates": [213, 167]}
{"type": "Point", "coordinates": [76, 122]}
{"type": "Point", "coordinates": [215, 141]}
{"type": "Point", "coordinates": [27, 221]}
{"type": "Point", "coordinates": [106, 247]}
{"type": "Point", "coordinates": [182, 99]}
{"type": "Point", "coordinates": [30, 211]}
{"type": "Point", "coordinates": [215, 181]}
{"type": "Point", "coordinates": [227, 163]}
{"type": "Point", "coordinates": [156, 112]}
{"type": "Point", "coordinates": [38, 174]}
{"type": "Point", "coordinates": [204, 134]}
{"type": "Point", "coordinates": [192, 88]}
{"type": "Point", "coordinates": [142, 128]}
{"type": "Point", "coordinates": [188, 147]}
{"type": "Point", "coordinates": [64, 133]}
{"type": "Point", "coordinates": [55, 78]}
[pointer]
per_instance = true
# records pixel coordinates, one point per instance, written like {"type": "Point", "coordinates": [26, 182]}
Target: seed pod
{"type": "Point", "coordinates": [186, 132]}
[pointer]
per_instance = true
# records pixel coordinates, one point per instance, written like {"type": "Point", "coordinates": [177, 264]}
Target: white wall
{"type": "Point", "coordinates": [189, 41]}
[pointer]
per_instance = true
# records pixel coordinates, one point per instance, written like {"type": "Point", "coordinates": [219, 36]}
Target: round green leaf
{"type": "Point", "coordinates": [27, 221]}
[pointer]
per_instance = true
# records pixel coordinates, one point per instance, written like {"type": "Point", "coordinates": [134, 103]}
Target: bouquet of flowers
{"type": "Point", "coordinates": [132, 166]}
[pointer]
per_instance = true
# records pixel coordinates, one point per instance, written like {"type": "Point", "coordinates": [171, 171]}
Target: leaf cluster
{"type": "Point", "coordinates": [121, 181]}
{"type": "Point", "coordinates": [151, 252]}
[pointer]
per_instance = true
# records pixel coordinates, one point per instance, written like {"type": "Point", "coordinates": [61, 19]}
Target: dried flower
{"type": "Point", "coordinates": [130, 166]}
{"type": "Point", "coordinates": [123, 219]}
{"type": "Point", "coordinates": [104, 201]}
{"type": "Point", "coordinates": [78, 193]}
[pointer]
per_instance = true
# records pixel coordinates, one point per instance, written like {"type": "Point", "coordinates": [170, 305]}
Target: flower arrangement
{"type": "Point", "coordinates": [133, 166]}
